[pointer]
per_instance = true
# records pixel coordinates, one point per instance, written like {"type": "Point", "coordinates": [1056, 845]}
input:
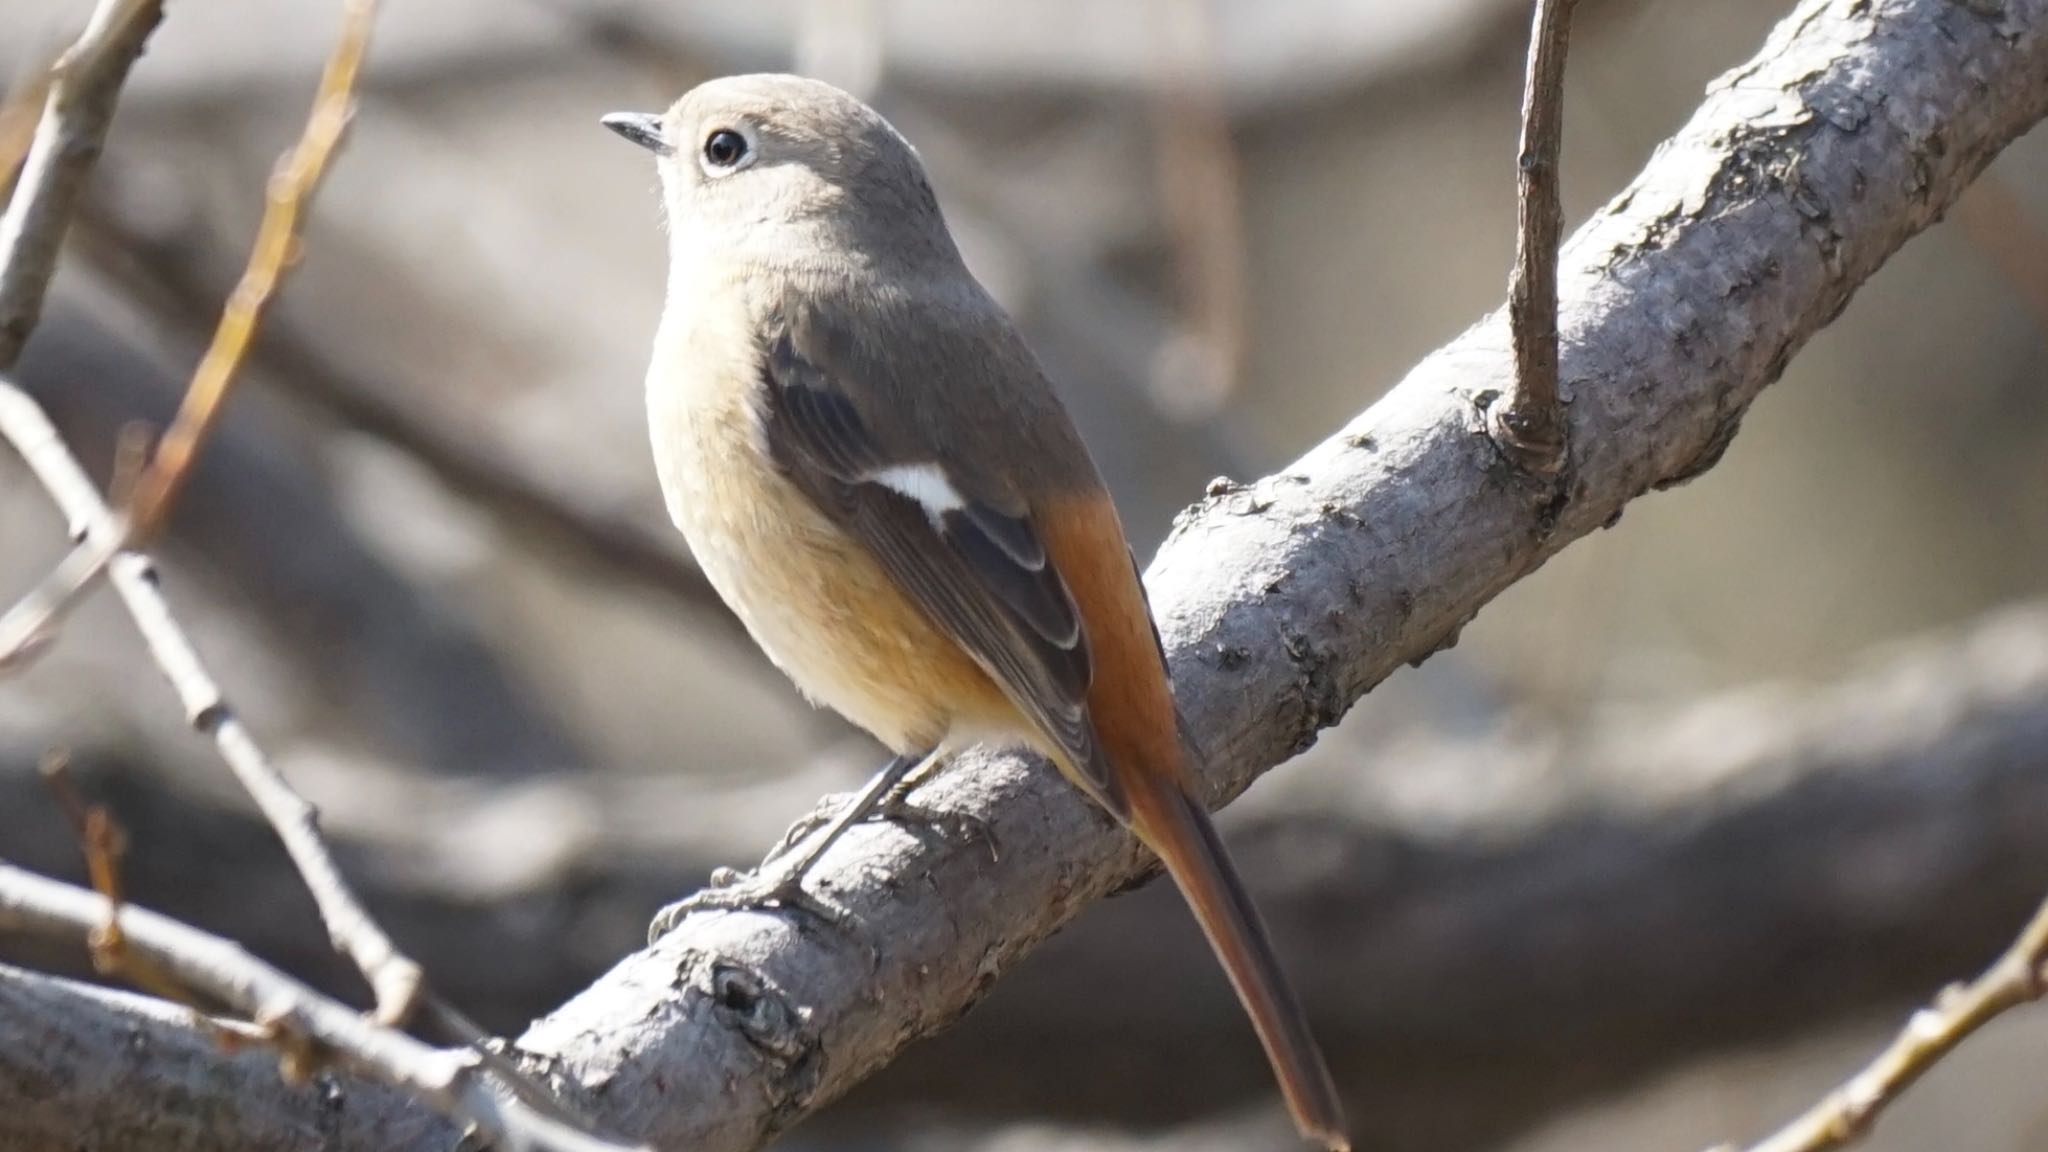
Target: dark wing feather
{"type": "Point", "coordinates": [978, 571]}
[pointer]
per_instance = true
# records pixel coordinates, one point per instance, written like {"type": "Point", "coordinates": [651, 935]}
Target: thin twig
{"type": "Point", "coordinates": [1528, 424]}
{"type": "Point", "coordinates": [311, 1030]}
{"type": "Point", "coordinates": [104, 539]}
{"type": "Point", "coordinates": [395, 979]}
{"type": "Point", "coordinates": [104, 843]}
{"type": "Point", "coordinates": [2020, 976]}
{"type": "Point", "coordinates": [289, 193]}
{"type": "Point", "coordinates": [28, 625]}
{"type": "Point", "coordinates": [85, 85]}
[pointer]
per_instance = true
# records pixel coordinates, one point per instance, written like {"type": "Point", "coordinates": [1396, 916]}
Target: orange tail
{"type": "Point", "coordinates": [1178, 828]}
{"type": "Point", "coordinates": [1132, 707]}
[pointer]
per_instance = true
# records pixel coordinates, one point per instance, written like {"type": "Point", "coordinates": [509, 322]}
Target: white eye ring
{"type": "Point", "coordinates": [726, 149]}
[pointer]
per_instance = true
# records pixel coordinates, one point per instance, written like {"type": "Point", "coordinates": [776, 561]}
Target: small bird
{"type": "Point", "coordinates": [873, 471]}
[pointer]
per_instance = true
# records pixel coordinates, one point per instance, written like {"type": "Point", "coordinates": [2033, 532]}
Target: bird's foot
{"type": "Point", "coordinates": [731, 890]}
{"type": "Point", "coordinates": [950, 825]}
{"type": "Point", "coordinates": [779, 880]}
{"type": "Point", "coordinates": [895, 807]}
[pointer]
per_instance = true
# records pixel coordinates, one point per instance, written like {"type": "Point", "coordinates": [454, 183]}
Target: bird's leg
{"type": "Point", "coordinates": [899, 807]}
{"type": "Point", "coordinates": [893, 805]}
{"type": "Point", "coordinates": [779, 881]}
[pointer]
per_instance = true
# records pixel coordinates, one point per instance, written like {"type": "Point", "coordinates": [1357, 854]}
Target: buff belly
{"type": "Point", "coordinates": [809, 595]}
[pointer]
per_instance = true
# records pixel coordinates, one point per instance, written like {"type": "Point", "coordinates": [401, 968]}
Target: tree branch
{"type": "Point", "coordinates": [397, 981]}
{"type": "Point", "coordinates": [27, 625]}
{"type": "Point", "coordinates": [78, 110]}
{"type": "Point", "coordinates": [111, 1070]}
{"type": "Point", "coordinates": [309, 1028]}
{"type": "Point", "coordinates": [1528, 424]}
{"type": "Point", "coordinates": [2020, 976]}
{"type": "Point", "coordinates": [286, 202]}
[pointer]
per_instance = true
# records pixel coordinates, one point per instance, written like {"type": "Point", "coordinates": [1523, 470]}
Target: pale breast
{"type": "Point", "coordinates": [810, 596]}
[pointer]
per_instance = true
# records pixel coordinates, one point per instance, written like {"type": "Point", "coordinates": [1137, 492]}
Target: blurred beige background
{"type": "Point", "coordinates": [429, 559]}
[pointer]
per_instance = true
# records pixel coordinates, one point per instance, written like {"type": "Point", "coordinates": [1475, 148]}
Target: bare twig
{"type": "Point", "coordinates": [102, 536]}
{"type": "Point", "coordinates": [27, 626]}
{"type": "Point", "coordinates": [291, 189]}
{"type": "Point", "coordinates": [308, 1028]}
{"type": "Point", "coordinates": [104, 842]}
{"type": "Point", "coordinates": [1528, 423]}
{"type": "Point", "coordinates": [2020, 976]}
{"type": "Point", "coordinates": [85, 86]}
{"type": "Point", "coordinates": [395, 979]}
{"type": "Point", "coordinates": [104, 540]}
{"type": "Point", "coordinates": [30, 626]}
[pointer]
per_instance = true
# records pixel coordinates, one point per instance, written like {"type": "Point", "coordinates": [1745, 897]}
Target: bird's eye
{"type": "Point", "coordinates": [724, 149]}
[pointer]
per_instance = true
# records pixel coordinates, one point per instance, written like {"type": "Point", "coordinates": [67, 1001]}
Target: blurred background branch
{"type": "Point", "coordinates": [1846, 1115]}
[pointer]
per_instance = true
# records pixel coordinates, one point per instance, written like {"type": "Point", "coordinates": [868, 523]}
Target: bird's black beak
{"type": "Point", "coordinates": [642, 128]}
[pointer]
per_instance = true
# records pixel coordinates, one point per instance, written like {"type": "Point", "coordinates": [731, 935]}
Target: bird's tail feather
{"type": "Point", "coordinates": [1176, 827]}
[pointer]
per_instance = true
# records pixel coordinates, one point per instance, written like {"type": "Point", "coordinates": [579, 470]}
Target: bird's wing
{"type": "Point", "coordinates": [972, 560]}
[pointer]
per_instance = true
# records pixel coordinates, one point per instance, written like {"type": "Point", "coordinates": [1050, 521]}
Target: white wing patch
{"type": "Point", "coordinates": [924, 483]}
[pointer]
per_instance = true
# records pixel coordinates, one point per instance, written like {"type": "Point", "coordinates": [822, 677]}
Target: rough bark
{"type": "Point", "coordinates": [1283, 601]}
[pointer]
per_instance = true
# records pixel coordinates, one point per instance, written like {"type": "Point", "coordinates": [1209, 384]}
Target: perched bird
{"type": "Point", "coordinates": [873, 471]}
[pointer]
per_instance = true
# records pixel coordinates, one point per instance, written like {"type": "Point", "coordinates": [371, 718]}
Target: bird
{"type": "Point", "coordinates": [874, 472]}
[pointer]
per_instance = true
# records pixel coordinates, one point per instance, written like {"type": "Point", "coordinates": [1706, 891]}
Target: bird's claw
{"type": "Point", "coordinates": [897, 807]}
{"type": "Point", "coordinates": [734, 891]}
{"type": "Point", "coordinates": [952, 825]}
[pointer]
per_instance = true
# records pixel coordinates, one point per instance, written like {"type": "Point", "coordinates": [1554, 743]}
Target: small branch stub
{"type": "Point", "coordinates": [1528, 425]}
